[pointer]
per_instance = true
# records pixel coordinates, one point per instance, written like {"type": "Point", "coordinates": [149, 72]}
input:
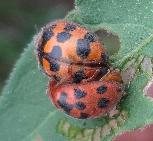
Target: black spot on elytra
{"type": "Point", "coordinates": [83, 115]}
{"type": "Point", "coordinates": [83, 48]}
{"type": "Point", "coordinates": [80, 106]}
{"type": "Point", "coordinates": [54, 66]}
{"type": "Point", "coordinates": [63, 104]}
{"type": "Point", "coordinates": [105, 57]}
{"type": "Point", "coordinates": [79, 93]}
{"type": "Point", "coordinates": [78, 76]}
{"type": "Point", "coordinates": [47, 34]}
{"type": "Point", "coordinates": [70, 27]}
{"type": "Point", "coordinates": [63, 36]}
{"type": "Point", "coordinates": [90, 37]}
{"type": "Point", "coordinates": [102, 89]}
{"type": "Point", "coordinates": [102, 103]}
{"type": "Point", "coordinates": [56, 52]}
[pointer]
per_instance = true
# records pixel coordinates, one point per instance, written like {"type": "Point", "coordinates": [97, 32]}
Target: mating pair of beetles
{"type": "Point", "coordinates": [82, 82]}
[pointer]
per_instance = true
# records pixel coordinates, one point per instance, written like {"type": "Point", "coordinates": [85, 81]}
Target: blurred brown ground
{"type": "Point", "coordinates": [19, 21]}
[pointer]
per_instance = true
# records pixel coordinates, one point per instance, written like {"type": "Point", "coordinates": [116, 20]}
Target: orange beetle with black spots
{"type": "Point", "coordinates": [90, 99]}
{"type": "Point", "coordinates": [68, 52]}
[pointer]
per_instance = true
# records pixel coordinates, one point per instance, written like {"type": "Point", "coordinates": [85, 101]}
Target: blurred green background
{"type": "Point", "coordinates": [19, 21]}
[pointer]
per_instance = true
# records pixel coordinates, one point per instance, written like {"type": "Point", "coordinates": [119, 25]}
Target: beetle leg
{"type": "Point", "coordinates": [112, 75]}
{"type": "Point", "coordinates": [93, 77]}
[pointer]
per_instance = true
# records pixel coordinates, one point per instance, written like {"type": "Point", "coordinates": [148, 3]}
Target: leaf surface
{"type": "Point", "coordinates": [26, 114]}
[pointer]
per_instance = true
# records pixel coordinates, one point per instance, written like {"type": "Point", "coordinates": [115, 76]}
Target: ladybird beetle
{"type": "Point", "coordinates": [67, 51]}
{"type": "Point", "coordinates": [87, 99]}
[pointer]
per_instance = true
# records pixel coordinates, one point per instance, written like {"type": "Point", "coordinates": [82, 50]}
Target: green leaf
{"type": "Point", "coordinates": [114, 12]}
{"type": "Point", "coordinates": [26, 114]}
{"type": "Point", "coordinates": [135, 40]}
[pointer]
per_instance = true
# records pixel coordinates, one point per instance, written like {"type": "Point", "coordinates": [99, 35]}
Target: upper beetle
{"type": "Point", "coordinates": [67, 51]}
